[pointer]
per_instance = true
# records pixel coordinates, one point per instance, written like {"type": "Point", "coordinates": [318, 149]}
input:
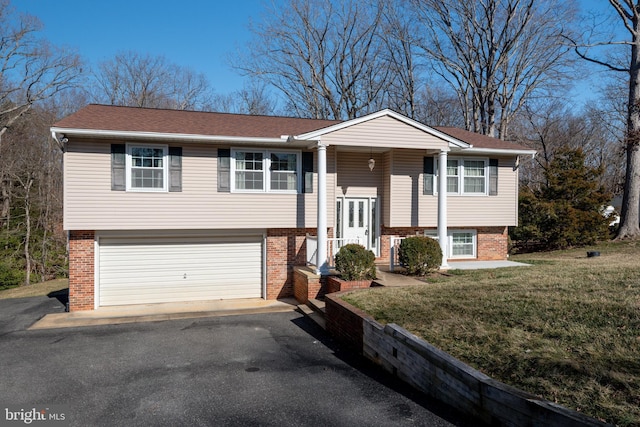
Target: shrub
{"type": "Point", "coordinates": [355, 262]}
{"type": "Point", "coordinates": [10, 276]}
{"type": "Point", "coordinates": [420, 255]}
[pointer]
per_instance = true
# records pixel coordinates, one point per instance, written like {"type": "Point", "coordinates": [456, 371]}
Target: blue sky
{"type": "Point", "coordinates": [195, 33]}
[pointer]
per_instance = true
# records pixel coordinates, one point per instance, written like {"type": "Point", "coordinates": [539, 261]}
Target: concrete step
{"type": "Point", "coordinates": [313, 315]}
{"type": "Point", "coordinates": [317, 306]}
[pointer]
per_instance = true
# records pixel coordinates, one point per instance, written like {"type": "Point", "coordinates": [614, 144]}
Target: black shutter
{"type": "Point", "coordinates": [224, 170]}
{"type": "Point", "coordinates": [118, 167]}
{"type": "Point", "coordinates": [428, 176]}
{"type": "Point", "coordinates": [307, 172]}
{"type": "Point", "coordinates": [493, 177]}
{"type": "Point", "coordinates": [175, 169]}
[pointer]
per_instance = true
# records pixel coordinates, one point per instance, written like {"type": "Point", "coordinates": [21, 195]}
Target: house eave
{"type": "Point", "coordinates": [58, 132]}
{"type": "Point", "coordinates": [499, 151]}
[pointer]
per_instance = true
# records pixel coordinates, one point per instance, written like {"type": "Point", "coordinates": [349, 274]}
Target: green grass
{"type": "Point", "coordinates": [567, 328]}
{"type": "Point", "coordinates": [36, 289]}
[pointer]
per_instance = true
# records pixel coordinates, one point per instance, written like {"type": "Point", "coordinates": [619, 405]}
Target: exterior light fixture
{"type": "Point", "coordinates": [372, 162]}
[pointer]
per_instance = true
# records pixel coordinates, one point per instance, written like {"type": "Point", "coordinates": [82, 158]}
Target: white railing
{"type": "Point", "coordinates": [333, 246]}
{"type": "Point", "coordinates": [394, 245]}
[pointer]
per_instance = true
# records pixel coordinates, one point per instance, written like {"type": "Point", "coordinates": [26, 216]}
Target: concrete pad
{"type": "Point", "coordinates": [165, 311]}
{"type": "Point", "coordinates": [388, 279]}
{"type": "Point", "coordinates": [482, 265]}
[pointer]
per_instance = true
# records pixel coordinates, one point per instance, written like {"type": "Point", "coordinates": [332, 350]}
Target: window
{"type": "Point", "coordinates": [284, 167]}
{"type": "Point", "coordinates": [463, 244]}
{"type": "Point", "coordinates": [249, 171]}
{"type": "Point", "coordinates": [260, 171]}
{"type": "Point", "coordinates": [146, 168]}
{"type": "Point", "coordinates": [474, 173]}
{"type": "Point", "coordinates": [465, 176]}
{"type": "Point", "coordinates": [452, 176]}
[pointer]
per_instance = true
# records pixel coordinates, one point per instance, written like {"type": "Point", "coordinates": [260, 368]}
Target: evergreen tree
{"type": "Point", "coordinates": [568, 209]}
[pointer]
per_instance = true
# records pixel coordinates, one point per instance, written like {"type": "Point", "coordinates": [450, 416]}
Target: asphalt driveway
{"type": "Point", "coordinates": [268, 369]}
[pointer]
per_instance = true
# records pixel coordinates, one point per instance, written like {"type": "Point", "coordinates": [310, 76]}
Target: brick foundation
{"type": "Point", "coordinates": [286, 248]}
{"type": "Point", "coordinates": [81, 270]}
{"type": "Point", "coordinates": [492, 242]}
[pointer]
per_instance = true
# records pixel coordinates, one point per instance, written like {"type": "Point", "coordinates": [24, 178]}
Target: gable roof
{"type": "Point", "coordinates": [115, 121]}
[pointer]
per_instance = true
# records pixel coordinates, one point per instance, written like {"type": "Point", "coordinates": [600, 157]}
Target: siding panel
{"type": "Point", "coordinates": [90, 204]}
{"type": "Point", "coordinates": [354, 177]}
{"type": "Point", "coordinates": [384, 132]}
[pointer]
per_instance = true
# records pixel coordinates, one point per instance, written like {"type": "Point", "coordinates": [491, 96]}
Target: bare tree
{"type": "Point", "coordinates": [31, 70]}
{"type": "Point", "coordinates": [32, 236]}
{"type": "Point", "coordinates": [324, 56]}
{"type": "Point", "coordinates": [438, 106]}
{"type": "Point", "coordinates": [550, 126]}
{"type": "Point", "coordinates": [400, 56]}
{"type": "Point", "coordinates": [496, 54]}
{"type": "Point", "coordinates": [628, 13]}
{"type": "Point", "coordinates": [137, 80]}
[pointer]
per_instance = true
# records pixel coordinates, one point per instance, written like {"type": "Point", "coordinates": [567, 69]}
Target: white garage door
{"type": "Point", "coordinates": [154, 270]}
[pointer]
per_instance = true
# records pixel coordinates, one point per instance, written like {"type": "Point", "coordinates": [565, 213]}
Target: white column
{"type": "Point", "coordinates": [321, 257]}
{"type": "Point", "coordinates": [443, 238]}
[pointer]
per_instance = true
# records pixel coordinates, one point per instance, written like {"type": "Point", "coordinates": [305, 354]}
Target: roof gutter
{"type": "Point", "coordinates": [57, 132]}
{"type": "Point", "coordinates": [490, 151]}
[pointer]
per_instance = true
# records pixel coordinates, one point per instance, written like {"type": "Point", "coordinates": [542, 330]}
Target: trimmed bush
{"type": "Point", "coordinates": [420, 255]}
{"type": "Point", "coordinates": [355, 262]}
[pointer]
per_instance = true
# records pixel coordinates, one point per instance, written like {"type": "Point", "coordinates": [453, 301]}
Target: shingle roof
{"type": "Point", "coordinates": [134, 119]}
{"type": "Point", "coordinates": [480, 141]}
{"type": "Point", "coordinates": [106, 117]}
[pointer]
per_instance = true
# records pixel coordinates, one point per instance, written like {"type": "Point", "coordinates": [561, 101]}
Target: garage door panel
{"type": "Point", "coordinates": [164, 270]}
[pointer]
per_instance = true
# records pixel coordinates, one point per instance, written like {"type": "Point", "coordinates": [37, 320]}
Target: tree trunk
{"type": "Point", "coordinates": [5, 201]}
{"type": "Point", "coordinates": [630, 218]}
{"type": "Point", "coordinates": [27, 237]}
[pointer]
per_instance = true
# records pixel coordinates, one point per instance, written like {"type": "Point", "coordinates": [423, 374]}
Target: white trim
{"type": "Point", "coordinates": [389, 113]}
{"type": "Point", "coordinates": [491, 151]}
{"type": "Point", "coordinates": [264, 266]}
{"type": "Point", "coordinates": [164, 136]}
{"type": "Point", "coordinates": [165, 168]}
{"type": "Point", "coordinates": [474, 234]}
{"type": "Point", "coordinates": [96, 271]}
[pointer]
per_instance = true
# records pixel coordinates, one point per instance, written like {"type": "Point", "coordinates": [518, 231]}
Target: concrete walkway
{"type": "Point", "coordinates": [389, 279]}
{"type": "Point", "coordinates": [164, 311]}
{"type": "Point", "coordinates": [481, 265]}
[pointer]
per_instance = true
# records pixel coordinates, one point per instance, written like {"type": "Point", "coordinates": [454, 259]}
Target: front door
{"type": "Point", "coordinates": [358, 221]}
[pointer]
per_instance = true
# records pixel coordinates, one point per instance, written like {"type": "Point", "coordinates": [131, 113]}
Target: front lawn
{"type": "Point", "coordinates": [567, 328]}
{"type": "Point", "coordinates": [35, 289]}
